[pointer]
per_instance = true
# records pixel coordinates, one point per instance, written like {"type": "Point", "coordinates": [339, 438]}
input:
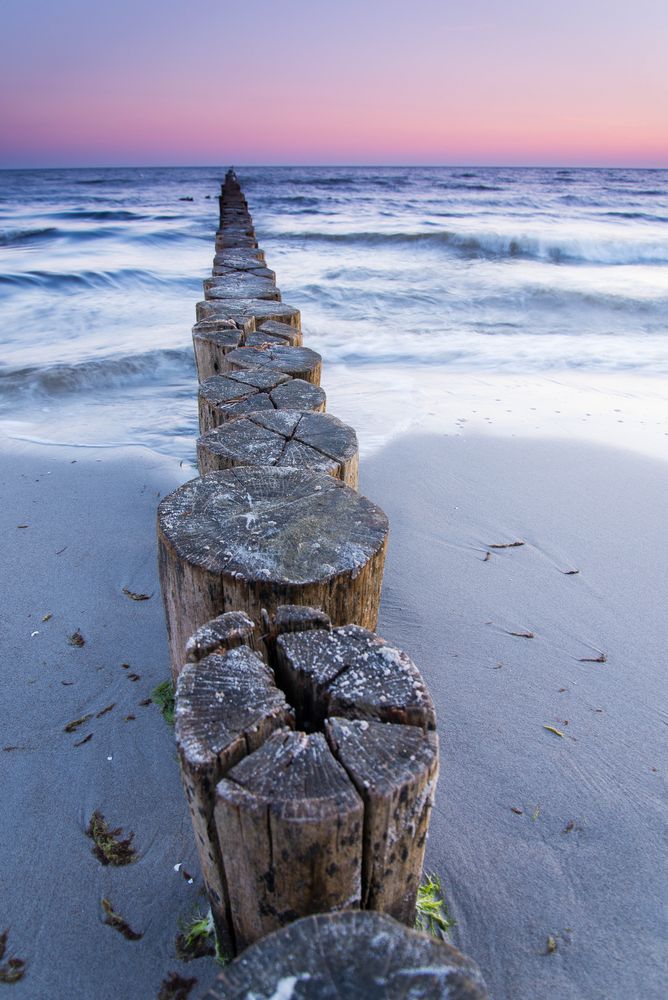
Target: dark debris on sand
{"type": "Point", "coordinates": [110, 846]}
{"type": "Point", "coordinates": [175, 987]}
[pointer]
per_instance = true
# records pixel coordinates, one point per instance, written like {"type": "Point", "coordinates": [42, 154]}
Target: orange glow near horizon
{"type": "Point", "coordinates": [457, 83]}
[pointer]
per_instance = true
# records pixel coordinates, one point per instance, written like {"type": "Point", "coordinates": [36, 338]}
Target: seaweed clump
{"type": "Point", "coordinates": [110, 846]}
{"type": "Point", "coordinates": [163, 697]}
{"type": "Point", "coordinates": [431, 911]}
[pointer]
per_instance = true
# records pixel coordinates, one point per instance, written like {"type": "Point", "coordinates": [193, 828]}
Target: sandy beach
{"type": "Point", "coordinates": [548, 840]}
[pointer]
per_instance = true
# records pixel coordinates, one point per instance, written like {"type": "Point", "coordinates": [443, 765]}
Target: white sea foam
{"type": "Point", "coordinates": [476, 270]}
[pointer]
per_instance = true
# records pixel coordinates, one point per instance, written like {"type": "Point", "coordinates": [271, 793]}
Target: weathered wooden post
{"type": "Point", "coordinates": [306, 440]}
{"type": "Point", "coordinates": [252, 539]}
{"type": "Point", "coordinates": [284, 331]}
{"type": "Point", "coordinates": [242, 259]}
{"type": "Point", "coordinates": [290, 824]}
{"type": "Point", "coordinates": [226, 705]}
{"type": "Point", "coordinates": [333, 816]}
{"type": "Point", "coordinates": [239, 285]}
{"type": "Point", "coordinates": [349, 956]}
{"type": "Point", "coordinates": [248, 314]}
{"type": "Point", "coordinates": [235, 393]}
{"type": "Point", "coordinates": [378, 681]}
{"type": "Point", "coordinates": [307, 744]}
{"type": "Point", "coordinates": [299, 362]}
{"type": "Point", "coordinates": [212, 341]}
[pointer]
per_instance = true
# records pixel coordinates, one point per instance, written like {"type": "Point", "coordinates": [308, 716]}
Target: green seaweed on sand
{"type": "Point", "coordinates": [12, 970]}
{"type": "Point", "coordinates": [116, 921]}
{"type": "Point", "coordinates": [197, 938]}
{"type": "Point", "coordinates": [110, 846]}
{"type": "Point", "coordinates": [163, 696]}
{"type": "Point", "coordinates": [431, 910]}
{"type": "Point", "coordinates": [175, 987]}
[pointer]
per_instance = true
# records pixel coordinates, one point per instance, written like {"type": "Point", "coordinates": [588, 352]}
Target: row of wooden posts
{"type": "Point", "coordinates": [307, 743]}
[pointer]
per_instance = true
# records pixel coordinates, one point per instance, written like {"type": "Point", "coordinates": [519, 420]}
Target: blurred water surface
{"type": "Point", "coordinates": [485, 270]}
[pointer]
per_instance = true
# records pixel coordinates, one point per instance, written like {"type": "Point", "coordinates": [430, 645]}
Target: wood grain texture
{"type": "Point", "coordinates": [226, 706]}
{"type": "Point", "coordinates": [289, 822]}
{"type": "Point", "coordinates": [240, 285]}
{"type": "Point", "coordinates": [221, 634]}
{"type": "Point", "coordinates": [256, 267]}
{"type": "Point", "coordinates": [394, 768]}
{"type": "Point", "coordinates": [299, 362]}
{"type": "Point", "coordinates": [297, 438]}
{"type": "Point", "coordinates": [286, 332]}
{"type": "Point", "coordinates": [212, 344]}
{"type": "Point", "coordinates": [252, 539]}
{"type": "Point", "coordinates": [351, 672]}
{"type": "Point", "coordinates": [222, 397]}
{"type": "Point", "coordinates": [244, 258]}
{"type": "Point", "coordinates": [349, 956]}
{"type": "Point", "coordinates": [249, 314]}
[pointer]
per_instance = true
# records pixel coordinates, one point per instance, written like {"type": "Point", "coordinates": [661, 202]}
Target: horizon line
{"type": "Point", "coordinates": [339, 166]}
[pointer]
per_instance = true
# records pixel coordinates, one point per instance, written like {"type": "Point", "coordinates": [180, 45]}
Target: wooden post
{"type": "Point", "coordinates": [349, 956]}
{"type": "Point", "coordinates": [222, 268]}
{"type": "Point", "coordinates": [394, 768]}
{"type": "Point", "coordinates": [243, 258]}
{"type": "Point", "coordinates": [234, 237]}
{"type": "Point", "coordinates": [288, 333]}
{"type": "Point", "coordinates": [222, 397]}
{"type": "Point", "coordinates": [300, 362]}
{"type": "Point", "coordinates": [240, 285]}
{"type": "Point", "coordinates": [315, 441]}
{"type": "Point", "coordinates": [290, 824]}
{"type": "Point", "coordinates": [252, 539]}
{"type": "Point", "coordinates": [226, 706]}
{"type": "Point", "coordinates": [263, 338]}
{"type": "Point", "coordinates": [377, 681]}
{"type": "Point", "coordinates": [225, 632]}
{"type": "Point", "coordinates": [248, 314]}
{"type": "Point", "coordinates": [212, 343]}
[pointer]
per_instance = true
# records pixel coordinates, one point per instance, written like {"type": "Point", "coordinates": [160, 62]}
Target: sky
{"type": "Point", "coordinates": [190, 82]}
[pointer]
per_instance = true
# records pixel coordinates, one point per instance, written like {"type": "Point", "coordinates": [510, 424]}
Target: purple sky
{"type": "Point", "coordinates": [370, 81]}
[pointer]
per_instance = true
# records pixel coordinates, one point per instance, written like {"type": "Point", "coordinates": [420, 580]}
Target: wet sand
{"type": "Point", "coordinates": [536, 835]}
{"type": "Point", "coordinates": [90, 533]}
{"type": "Point", "coordinates": [542, 840]}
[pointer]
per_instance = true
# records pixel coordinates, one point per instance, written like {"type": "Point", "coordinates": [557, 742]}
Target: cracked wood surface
{"type": "Point", "coordinates": [352, 673]}
{"type": "Point", "coordinates": [248, 390]}
{"type": "Point", "coordinates": [239, 285]}
{"type": "Point", "coordinates": [213, 341]}
{"type": "Point", "coordinates": [315, 441]}
{"type": "Point", "coordinates": [226, 706]}
{"type": "Point", "coordinates": [248, 314]}
{"type": "Point", "coordinates": [290, 824]}
{"type": "Point", "coordinates": [299, 362]}
{"type": "Point", "coordinates": [349, 956]}
{"type": "Point", "coordinates": [394, 768]}
{"type": "Point", "coordinates": [251, 539]}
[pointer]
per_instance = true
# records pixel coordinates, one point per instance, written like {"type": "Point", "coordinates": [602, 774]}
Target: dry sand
{"type": "Point", "coordinates": [579, 861]}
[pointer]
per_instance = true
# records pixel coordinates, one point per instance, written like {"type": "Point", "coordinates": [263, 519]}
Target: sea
{"type": "Point", "coordinates": [397, 271]}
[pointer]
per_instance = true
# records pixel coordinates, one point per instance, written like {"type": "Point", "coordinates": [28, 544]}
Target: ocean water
{"type": "Point", "coordinates": [396, 270]}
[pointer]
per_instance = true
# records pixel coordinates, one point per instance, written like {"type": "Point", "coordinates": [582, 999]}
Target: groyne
{"type": "Point", "coordinates": [307, 743]}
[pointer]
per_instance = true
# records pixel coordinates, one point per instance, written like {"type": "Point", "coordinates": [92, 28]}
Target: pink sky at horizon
{"type": "Point", "coordinates": [253, 81]}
